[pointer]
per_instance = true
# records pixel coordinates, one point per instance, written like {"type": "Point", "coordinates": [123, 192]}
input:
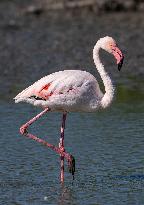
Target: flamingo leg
{"type": "Point", "coordinates": [71, 163]}
{"type": "Point", "coordinates": [61, 146]}
{"type": "Point", "coordinates": [60, 150]}
{"type": "Point", "coordinates": [23, 128]}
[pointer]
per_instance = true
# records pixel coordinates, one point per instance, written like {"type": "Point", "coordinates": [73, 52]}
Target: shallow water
{"type": "Point", "coordinates": [108, 147]}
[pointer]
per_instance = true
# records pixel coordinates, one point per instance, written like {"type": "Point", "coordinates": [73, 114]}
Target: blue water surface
{"type": "Point", "coordinates": [108, 147]}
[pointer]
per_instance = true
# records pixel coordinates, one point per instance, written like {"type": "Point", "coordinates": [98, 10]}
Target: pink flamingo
{"type": "Point", "coordinates": [71, 91]}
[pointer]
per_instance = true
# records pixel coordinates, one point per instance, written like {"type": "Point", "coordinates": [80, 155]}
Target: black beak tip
{"type": "Point", "coordinates": [120, 64]}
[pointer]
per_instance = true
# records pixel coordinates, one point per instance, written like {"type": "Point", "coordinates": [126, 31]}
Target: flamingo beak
{"type": "Point", "coordinates": [119, 56]}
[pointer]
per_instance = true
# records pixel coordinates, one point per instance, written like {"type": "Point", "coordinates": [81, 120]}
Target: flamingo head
{"type": "Point", "coordinates": [108, 44]}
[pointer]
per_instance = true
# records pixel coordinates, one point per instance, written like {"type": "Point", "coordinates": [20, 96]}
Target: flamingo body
{"type": "Point", "coordinates": [68, 90]}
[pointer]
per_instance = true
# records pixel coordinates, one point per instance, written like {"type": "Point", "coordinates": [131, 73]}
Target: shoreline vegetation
{"type": "Point", "coordinates": [97, 6]}
{"type": "Point", "coordinates": [93, 5]}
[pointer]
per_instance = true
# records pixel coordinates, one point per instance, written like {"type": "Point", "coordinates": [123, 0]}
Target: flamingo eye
{"type": "Point", "coordinates": [111, 46]}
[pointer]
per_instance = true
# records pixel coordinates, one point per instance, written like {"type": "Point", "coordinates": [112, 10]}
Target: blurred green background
{"type": "Point", "coordinates": [41, 37]}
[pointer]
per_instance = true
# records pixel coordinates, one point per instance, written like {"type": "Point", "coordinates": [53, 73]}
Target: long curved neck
{"type": "Point", "coordinates": [109, 88]}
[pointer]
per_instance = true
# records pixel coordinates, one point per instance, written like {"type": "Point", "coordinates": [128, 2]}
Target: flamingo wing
{"type": "Point", "coordinates": [57, 83]}
{"type": "Point", "coordinates": [68, 90]}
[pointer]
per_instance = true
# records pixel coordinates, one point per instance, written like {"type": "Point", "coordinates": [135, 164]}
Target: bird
{"type": "Point", "coordinates": [71, 91]}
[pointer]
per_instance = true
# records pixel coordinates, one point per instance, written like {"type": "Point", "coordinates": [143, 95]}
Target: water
{"type": "Point", "coordinates": [107, 145]}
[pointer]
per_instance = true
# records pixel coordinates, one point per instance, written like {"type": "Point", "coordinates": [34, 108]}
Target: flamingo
{"type": "Point", "coordinates": [71, 91]}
